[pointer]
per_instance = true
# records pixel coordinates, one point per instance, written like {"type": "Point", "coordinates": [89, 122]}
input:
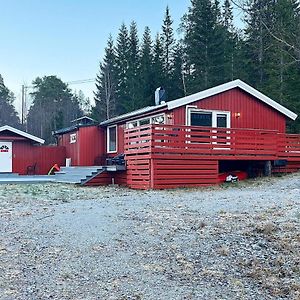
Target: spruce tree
{"type": "Point", "coordinates": [146, 68]}
{"type": "Point", "coordinates": [122, 61]}
{"type": "Point", "coordinates": [204, 45]}
{"type": "Point", "coordinates": [168, 43]}
{"type": "Point", "coordinates": [134, 101]}
{"type": "Point", "coordinates": [158, 71]}
{"type": "Point", "coordinates": [105, 95]}
{"type": "Point", "coordinates": [231, 55]}
{"type": "Point", "coordinates": [177, 89]}
{"type": "Point", "coordinates": [258, 40]}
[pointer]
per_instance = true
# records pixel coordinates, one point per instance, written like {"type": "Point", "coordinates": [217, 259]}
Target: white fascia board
{"type": "Point", "coordinates": [228, 86]}
{"type": "Point", "coordinates": [22, 133]}
{"type": "Point", "coordinates": [267, 100]}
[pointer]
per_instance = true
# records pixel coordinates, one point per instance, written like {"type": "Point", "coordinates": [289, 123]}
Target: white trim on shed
{"type": "Point", "coordinates": [22, 133]}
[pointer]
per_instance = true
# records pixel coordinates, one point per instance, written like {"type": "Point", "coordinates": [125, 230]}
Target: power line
{"type": "Point", "coordinates": [26, 87]}
{"type": "Point", "coordinates": [81, 81]}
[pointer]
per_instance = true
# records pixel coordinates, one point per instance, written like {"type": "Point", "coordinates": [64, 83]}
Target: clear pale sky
{"type": "Point", "coordinates": [67, 37]}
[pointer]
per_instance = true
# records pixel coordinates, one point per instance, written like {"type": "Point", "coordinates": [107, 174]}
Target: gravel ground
{"type": "Point", "coordinates": [237, 241]}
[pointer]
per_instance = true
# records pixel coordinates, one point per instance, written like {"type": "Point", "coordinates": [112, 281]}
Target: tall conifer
{"type": "Point", "coordinates": [105, 95]}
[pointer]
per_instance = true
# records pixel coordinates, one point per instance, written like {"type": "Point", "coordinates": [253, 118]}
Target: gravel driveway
{"type": "Point", "coordinates": [237, 241]}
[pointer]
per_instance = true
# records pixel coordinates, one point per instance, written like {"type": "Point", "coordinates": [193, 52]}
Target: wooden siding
{"type": "Point", "coordinates": [107, 178]}
{"type": "Point", "coordinates": [254, 114]}
{"type": "Point", "coordinates": [100, 180]}
{"type": "Point", "coordinates": [72, 150]}
{"type": "Point", "coordinates": [165, 156]}
{"type": "Point", "coordinates": [89, 146]}
{"type": "Point", "coordinates": [26, 154]}
{"type": "Point", "coordinates": [183, 172]}
{"type": "Point", "coordinates": [138, 171]}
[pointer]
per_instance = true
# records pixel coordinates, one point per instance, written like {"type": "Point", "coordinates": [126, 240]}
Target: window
{"type": "Point", "coordinates": [159, 119]}
{"type": "Point", "coordinates": [222, 120]}
{"type": "Point", "coordinates": [213, 118]}
{"type": "Point", "coordinates": [112, 139]}
{"type": "Point", "coordinates": [201, 119]}
{"type": "Point", "coordinates": [73, 138]}
{"type": "Point", "coordinates": [209, 118]}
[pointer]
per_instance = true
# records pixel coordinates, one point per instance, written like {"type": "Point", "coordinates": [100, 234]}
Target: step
{"type": "Point", "coordinates": [6, 175]}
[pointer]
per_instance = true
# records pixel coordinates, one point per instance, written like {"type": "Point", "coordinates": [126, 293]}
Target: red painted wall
{"type": "Point", "coordinates": [72, 150]}
{"type": "Point", "coordinates": [253, 113]}
{"type": "Point", "coordinates": [25, 154]}
{"type": "Point", "coordinates": [89, 146]}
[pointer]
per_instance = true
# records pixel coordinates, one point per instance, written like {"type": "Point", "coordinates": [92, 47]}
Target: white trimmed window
{"type": "Point", "coordinates": [73, 138]}
{"type": "Point", "coordinates": [112, 138]}
{"type": "Point", "coordinates": [209, 118]}
{"type": "Point", "coordinates": [158, 119]}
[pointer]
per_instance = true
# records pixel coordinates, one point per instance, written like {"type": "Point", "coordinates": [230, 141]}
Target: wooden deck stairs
{"type": "Point", "coordinates": [83, 175]}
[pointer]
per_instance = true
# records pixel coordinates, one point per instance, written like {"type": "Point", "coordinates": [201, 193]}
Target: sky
{"type": "Point", "coordinates": [67, 37]}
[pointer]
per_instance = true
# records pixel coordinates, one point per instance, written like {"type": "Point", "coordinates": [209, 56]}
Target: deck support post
{"type": "Point", "coordinates": [268, 168]}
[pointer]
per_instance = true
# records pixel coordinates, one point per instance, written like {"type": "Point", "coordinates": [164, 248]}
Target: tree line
{"type": "Point", "coordinates": [53, 107]}
{"type": "Point", "coordinates": [211, 50]}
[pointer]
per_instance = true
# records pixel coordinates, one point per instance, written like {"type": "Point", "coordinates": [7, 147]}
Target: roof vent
{"type": "Point", "coordinates": [160, 96]}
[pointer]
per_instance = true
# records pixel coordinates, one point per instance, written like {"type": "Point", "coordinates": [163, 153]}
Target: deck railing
{"type": "Point", "coordinates": [171, 139]}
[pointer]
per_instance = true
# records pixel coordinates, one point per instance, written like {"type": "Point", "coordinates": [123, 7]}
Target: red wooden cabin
{"type": "Point", "coordinates": [22, 153]}
{"type": "Point", "coordinates": [189, 141]}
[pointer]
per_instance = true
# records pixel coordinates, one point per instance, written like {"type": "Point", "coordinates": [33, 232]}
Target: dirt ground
{"type": "Point", "coordinates": [237, 241]}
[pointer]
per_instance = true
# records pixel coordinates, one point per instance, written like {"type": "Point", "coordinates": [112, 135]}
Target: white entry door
{"type": "Point", "coordinates": [5, 157]}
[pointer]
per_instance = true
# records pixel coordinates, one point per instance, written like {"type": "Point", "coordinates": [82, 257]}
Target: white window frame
{"type": "Point", "coordinates": [190, 109]}
{"type": "Point", "coordinates": [73, 138]}
{"type": "Point", "coordinates": [108, 136]}
{"type": "Point", "coordinates": [150, 118]}
{"type": "Point", "coordinates": [193, 109]}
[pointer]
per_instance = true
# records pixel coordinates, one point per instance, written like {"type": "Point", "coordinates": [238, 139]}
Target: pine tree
{"type": "Point", "coordinates": [271, 36]}
{"type": "Point", "coordinates": [168, 43]}
{"type": "Point", "coordinates": [122, 61]}
{"type": "Point", "coordinates": [54, 106]}
{"type": "Point", "coordinates": [258, 40]}
{"type": "Point", "coordinates": [105, 95]}
{"type": "Point", "coordinates": [231, 55]}
{"type": "Point", "coordinates": [134, 101]}
{"type": "Point", "coordinates": [84, 102]}
{"type": "Point", "coordinates": [177, 89]}
{"type": "Point", "coordinates": [204, 45]}
{"type": "Point", "coordinates": [146, 69]}
{"type": "Point", "coordinates": [8, 114]}
{"type": "Point", "coordinates": [158, 71]}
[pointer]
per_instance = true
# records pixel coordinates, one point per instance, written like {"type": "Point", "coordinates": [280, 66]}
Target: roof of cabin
{"type": "Point", "coordinates": [84, 118]}
{"type": "Point", "coordinates": [72, 128]}
{"type": "Point", "coordinates": [21, 133]}
{"type": "Point", "coordinates": [205, 94]}
{"type": "Point", "coordinates": [141, 111]}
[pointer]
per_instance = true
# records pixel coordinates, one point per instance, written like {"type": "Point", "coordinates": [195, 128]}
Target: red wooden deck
{"type": "Point", "coordinates": [168, 156]}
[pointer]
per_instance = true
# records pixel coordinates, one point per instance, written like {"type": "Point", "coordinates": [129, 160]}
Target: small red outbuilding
{"type": "Point", "coordinates": [21, 152]}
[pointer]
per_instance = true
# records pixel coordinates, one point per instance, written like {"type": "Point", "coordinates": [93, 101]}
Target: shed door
{"type": "Point", "coordinates": [5, 157]}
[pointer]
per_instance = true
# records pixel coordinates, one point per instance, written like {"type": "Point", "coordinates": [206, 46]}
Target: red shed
{"type": "Point", "coordinates": [84, 142]}
{"type": "Point", "coordinates": [20, 150]}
